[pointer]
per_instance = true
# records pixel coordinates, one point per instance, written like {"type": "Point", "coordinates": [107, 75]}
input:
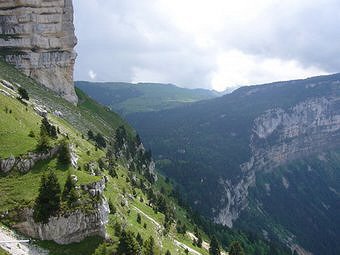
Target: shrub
{"type": "Point", "coordinates": [23, 93]}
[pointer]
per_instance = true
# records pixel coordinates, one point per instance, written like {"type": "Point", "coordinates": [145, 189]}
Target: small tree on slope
{"type": "Point", "coordinates": [47, 203]}
{"type": "Point", "coordinates": [236, 249]}
{"type": "Point", "coordinates": [214, 247]}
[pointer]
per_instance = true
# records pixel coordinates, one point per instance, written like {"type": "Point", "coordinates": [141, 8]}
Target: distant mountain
{"type": "Point", "coordinates": [127, 98]}
{"type": "Point", "coordinates": [264, 158]}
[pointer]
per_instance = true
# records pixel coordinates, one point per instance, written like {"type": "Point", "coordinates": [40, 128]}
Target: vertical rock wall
{"type": "Point", "coordinates": [37, 36]}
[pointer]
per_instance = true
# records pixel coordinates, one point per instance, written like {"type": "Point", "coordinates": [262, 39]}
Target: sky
{"type": "Point", "coordinates": [213, 44]}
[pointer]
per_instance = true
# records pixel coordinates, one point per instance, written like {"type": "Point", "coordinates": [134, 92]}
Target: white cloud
{"type": "Point", "coordinates": [206, 43]}
{"type": "Point", "coordinates": [92, 75]}
{"type": "Point", "coordinates": [236, 68]}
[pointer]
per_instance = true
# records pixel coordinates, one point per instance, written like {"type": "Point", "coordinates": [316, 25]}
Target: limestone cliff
{"type": "Point", "coordinates": [280, 136]}
{"type": "Point", "coordinates": [71, 226]}
{"type": "Point", "coordinates": [37, 36]}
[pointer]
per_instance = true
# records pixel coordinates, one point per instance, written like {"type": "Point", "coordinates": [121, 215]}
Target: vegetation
{"type": "Point", "coordinates": [132, 189]}
{"type": "Point", "coordinates": [3, 252]}
{"type": "Point", "coordinates": [127, 98]}
{"type": "Point", "coordinates": [236, 249]}
{"type": "Point", "coordinates": [214, 140]}
{"type": "Point", "coordinates": [64, 155]}
{"type": "Point", "coordinates": [214, 248]}
{"type": "Point", "coordinates": [23, 93]}
{"type": "Point", "coordinates": [70, 194]}
{"type": "Point", "coordinates": [47, 203]}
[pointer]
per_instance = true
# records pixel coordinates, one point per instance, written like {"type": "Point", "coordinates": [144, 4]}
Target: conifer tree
{"type": "Point", "coordinates": [235, 248]}
{"type": "Point", "coordinates": [199, 240]}
{"type": "Point", "coordinates": [64, 156]}
{"type": "Point", "coordinates": [47, 203]}
{"type": "Point", "coordinates": [139, 219]}
{"type": "Point", "coordinates": [23, 93]}
{"type": "Point", "coordinates": [214, 247]}
{"type": "Point", "coordinates": [150, 248]}
{"type": "Point", "coordinates": [70, 194]}
{"type": "Point", "coordinates": [139, 240]}
{"type": "Point", "coordinates": [128, 244]}
{"type": "Point", "coordinates": [44, 140]}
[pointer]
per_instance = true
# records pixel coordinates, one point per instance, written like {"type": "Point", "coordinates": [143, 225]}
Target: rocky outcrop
{"type": "Point", "coordinates": [234, 198]}
{"type": "Point", "coordinates": [310, 127]}
{"type": "Point", "coordinates": [69, 228]}
{"type": "Point", "coordinates": [280, 136]}
{"type": "Point", "coordinates": [37, 36]}
{"type": "Point", "coordinates": [26, 162]}
{"type": "Point", "coordinates": [96, 188]}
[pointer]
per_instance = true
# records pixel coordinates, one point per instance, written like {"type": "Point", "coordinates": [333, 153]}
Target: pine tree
{"type": "Point", "coordinates": [90, 135]}
{"type": "Point", "coordinates": [44, 140]}
{"type": "Point", "coordinates": [150, 247]}
{"type": "Point", "coordinates": [47, 203]}
{"type": "Point", "coordinates": [199, 240]}
{"type": "Point", "coordinates": [139, 219]}
{"type": "Point", "coordinates": [51, 130]}
{"type": "Point", "coordinates": [70, 194]}
{"type": "Point", "coordinates": [64, 156]}
{"type": "Point", "coordinates": [214, 247]}
{"type": "Point", "coordinates": [139, 240]}
{"type": "Point", "coordinates": [100, 141]}
{"type": "Point", "coordinates": [23, 93]}
{"type": "Point", "coordinates": [235, 248]}
{"type": "Point", "coordinates": [128, 244]}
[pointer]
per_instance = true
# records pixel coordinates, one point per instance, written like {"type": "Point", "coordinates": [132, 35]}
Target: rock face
{"type": "Point", "coordinates": [37, 36]}
{"type": "Point", "coordinates": [68, 228]}
{"type": "Point", "coordinates": [73, 226]}
{"type": "Point", "coordinates": [280, 136]}
{"type": "Point", "coordinates": [26, 162]}
{"type": "Point", "coordinates": [308, 127]}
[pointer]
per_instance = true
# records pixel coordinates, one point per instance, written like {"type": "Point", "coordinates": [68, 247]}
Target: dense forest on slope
{"type": "Point", "coordinates": [203, 147]}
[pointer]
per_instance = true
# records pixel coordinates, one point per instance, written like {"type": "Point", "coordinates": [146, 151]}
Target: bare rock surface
{"type": "Point", "coordinates": [37, 36]}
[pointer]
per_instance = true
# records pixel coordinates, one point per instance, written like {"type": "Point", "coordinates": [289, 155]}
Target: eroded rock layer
{"type": "Point", "coordinates": [37, 36]}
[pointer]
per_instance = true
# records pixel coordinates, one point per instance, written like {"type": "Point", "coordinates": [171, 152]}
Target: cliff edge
{"type": "Point", "coordinates": [37, 36]}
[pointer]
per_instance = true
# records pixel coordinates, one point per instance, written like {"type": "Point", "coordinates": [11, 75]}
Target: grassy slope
{"type": "Point", "coordinates": [15, 126]}
{"type": "Point", "coordinates": [21, 189]}
{"type": "Point", "coordinates": [88, 115]}
{"type": "Point", "coordinates": [127, 98]}
{"type": "Point", "coordinates": [3, 252]}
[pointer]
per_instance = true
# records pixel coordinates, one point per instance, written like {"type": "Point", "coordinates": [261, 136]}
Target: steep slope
{"type": "Point", "coordinates": [120, 176]}
{"type": "Point", "coordinates": [127, 98]}
{"type": "Point", "coordinates": [225, 153]}
{"type": "Point", "coordinates": [38, 38]}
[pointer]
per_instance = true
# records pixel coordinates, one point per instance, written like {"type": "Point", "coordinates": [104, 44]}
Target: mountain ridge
{"type": "Point", "coordinates": [127, 98]}
{"type": "Point", "coordinates": [228, 132]}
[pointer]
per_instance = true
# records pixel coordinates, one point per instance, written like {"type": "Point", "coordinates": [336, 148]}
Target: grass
{"type": "Point", "coordinates": [16, 122]}
{"type": "Point", "coordinates": [17, 189]}
{"type": "Point", "coordinates": [87, 115]}
{"type": "Point", "coordinates": [127, 215]}
{"type": "Point", "coordinates": [85, 247]}
{"type": "Point", "coordinates": [3, 252]}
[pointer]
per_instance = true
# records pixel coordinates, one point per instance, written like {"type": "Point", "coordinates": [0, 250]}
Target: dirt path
{"type": "Point", "coordinates": [182, 245]}
{"type": "Point", "coordinates": [9, 242]}
{"type": "Point", "coordinates": [159, 226]}
{"type": "Point", "coordinates": [205, 245]}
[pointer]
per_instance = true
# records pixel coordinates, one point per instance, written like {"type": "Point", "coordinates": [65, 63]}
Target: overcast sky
{"type": "Point", "coordinates": [213, 44]}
